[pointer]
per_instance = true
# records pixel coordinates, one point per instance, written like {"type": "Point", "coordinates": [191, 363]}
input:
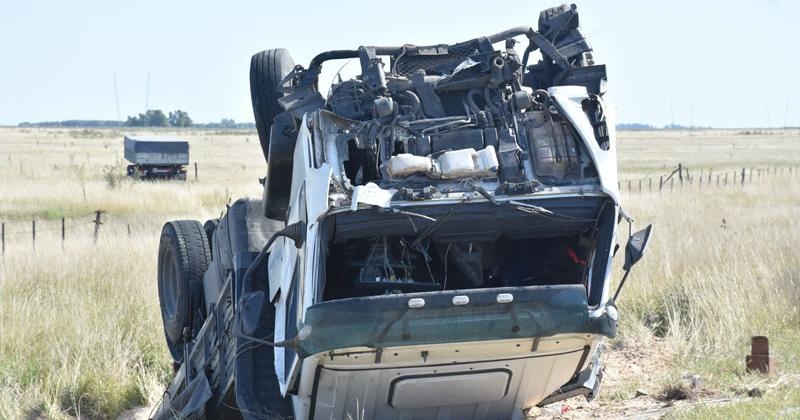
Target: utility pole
{"type": "Point", "coordinates": [768, 122]}
{"type": "Point", "coordinates": [147, 93]}
{"type": "Point", "coordinates": [786, 115]}
{"type": "Point", "coordinates": [116, 95]}
{"type": "Point", "coordinates": [671, 115]}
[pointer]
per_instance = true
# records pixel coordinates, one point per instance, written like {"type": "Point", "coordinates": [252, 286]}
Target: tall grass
{"type": "Point", "coordinates": [722, 266]}
{"type": "Point", "coordinates": [80, 330]}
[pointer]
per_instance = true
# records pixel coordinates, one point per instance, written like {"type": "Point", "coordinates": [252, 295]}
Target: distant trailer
{"type": "Point", "coordinates": [156, 157]}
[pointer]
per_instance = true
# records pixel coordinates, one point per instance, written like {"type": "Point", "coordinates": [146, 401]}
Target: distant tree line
{"type": "Point", "coordinates": [74, 123]}
{"type": "Point", "coordinates": [151, 118]}
{"type": "Point", "coordinates": [641, 126]}
{"type": "Point", "coordinates": [156, 118]}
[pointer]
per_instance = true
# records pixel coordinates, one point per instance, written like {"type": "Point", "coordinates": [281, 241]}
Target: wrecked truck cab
{"type": "Point", "coordinates": [447, 224]}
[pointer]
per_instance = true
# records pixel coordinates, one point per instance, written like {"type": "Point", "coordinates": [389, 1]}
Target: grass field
{"type": "Point", "coordinates": [80, 330]}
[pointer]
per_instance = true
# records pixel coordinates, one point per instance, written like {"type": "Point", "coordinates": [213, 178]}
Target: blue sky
{"type": "Point", "coordinates": [733, 63]}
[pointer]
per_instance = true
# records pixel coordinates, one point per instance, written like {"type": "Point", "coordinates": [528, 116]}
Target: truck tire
{"type": "Point", "coordinates": [183, 257]}
{"type": "Point", "coordinates": [275, 127]}
{"type": "Point", "coordinates": [267, 69]}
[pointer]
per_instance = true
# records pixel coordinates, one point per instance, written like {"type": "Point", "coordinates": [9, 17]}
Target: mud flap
{"type": "Point", "coordinates": [586, 383]}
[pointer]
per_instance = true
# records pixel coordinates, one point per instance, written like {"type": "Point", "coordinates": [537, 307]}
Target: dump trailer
{"type": "Point", "coordinates": [156, 157]}
{"type": "Point", "coordinates": [434, 239]}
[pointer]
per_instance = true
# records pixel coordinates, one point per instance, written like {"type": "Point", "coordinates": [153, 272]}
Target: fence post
{"type": "Point", "coordinates": [743, 171]}
{"type": "Point", "coordinates": [680, 173]}
{"type": "Point", "coordinates": [195, 171]}
{"type": "Point", "coordinates": [97, 222]}
{"type": "Point", "coordinates": [650, 182]}
{"type": "Point", "coordinates": [3, 236]}
{"type": "Point", "coordinates": [33, 231]}
{"type": "Point", "coordinates": [640, 185]}
{"type": "Point", "coordinates": [709, 176]}
{"type": "Point", "coordinates": [63, 234]}
{"type": "Point", "coordinates": [660, 183]}
{"type": "Point", "coordinates": [629, 185]}
{"type": "Point", "coordinates": [726, 179]}
{"type": "Point", "coordinates": [718, 180]}
{"type": "Point", "coordinates": [129, 230]}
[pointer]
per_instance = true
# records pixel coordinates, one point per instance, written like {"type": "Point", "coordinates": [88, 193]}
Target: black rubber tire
{"type": "Point", "coordinates": [183, 257]}
{"type": "Point", "coordinates": [275, 127]}
{"type": "Point", "coordinates": [267, 70]}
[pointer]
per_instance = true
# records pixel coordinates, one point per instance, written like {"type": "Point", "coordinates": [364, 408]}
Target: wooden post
{"type": "Point", "coordinates": [718, 180]}
{"type": "Point", "coordinates": [709, 176]}
{"type": "Point", "coordinates": [97, 222]}
{"type": "Point", "coordinates": [3, 237]}
{"type": "Point", "coordinates": [743, 171]}
{"type": "Point", "coordinates": [195, 171]}
{"type": "Point", "coordinates": [660, 183]}
{"type": "Point", "coordinates": [629, 185]}
{"type": "Point", "coordinates": [680, 173]}
{"type": "Point", "coordinates": [33, 226]}
{"type": "Point", "coordinates": [640, 185]}
{"type": "Point", "coordinates": [726, 179]}
{"type": "Point", "coordinates": [650, 181]}
{"type": "Point", "coordinates": [63, 235]}
{"type": "Point", "coordinates": [129, 230]}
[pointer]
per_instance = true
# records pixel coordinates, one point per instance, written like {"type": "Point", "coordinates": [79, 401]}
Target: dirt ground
{"type": "Point", "coordinates": [625, 366]}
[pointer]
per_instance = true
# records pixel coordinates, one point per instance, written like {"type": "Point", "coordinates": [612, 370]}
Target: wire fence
{"type": "Point", "coordinates": [681, 178]}
{"type": "Point", "coordinates": [22, 228]}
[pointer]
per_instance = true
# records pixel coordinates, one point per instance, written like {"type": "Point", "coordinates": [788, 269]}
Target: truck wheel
{"type": "Point", "coordinates": [183, 257]}
{"type": "Point", "coordinates": [267, 69]}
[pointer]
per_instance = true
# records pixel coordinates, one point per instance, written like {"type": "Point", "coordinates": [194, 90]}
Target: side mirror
{"type": "Point", "coordinates": [634, 250]}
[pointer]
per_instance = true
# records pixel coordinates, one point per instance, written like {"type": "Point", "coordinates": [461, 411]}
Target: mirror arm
{"type": "Point", "coordinates": [621, 283]}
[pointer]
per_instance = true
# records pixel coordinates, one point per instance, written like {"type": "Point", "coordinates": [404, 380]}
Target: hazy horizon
{"type": "Point", "coordinates": [710, 64]}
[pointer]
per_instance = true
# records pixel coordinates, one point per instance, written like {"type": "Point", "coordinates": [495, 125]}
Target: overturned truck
{"type": "Point", "coordinates": [434, 240]}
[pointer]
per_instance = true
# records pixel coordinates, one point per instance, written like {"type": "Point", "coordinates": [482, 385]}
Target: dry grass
{"type": "Point", "coordinates": [80, 331]}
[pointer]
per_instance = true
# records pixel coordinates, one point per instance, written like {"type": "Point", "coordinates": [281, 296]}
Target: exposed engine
{"type": "Point", "coordinates": [461, 111]}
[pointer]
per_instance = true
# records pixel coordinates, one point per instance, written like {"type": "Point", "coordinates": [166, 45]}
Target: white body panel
{"type": "Point", "coordinates": [472, 380]}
